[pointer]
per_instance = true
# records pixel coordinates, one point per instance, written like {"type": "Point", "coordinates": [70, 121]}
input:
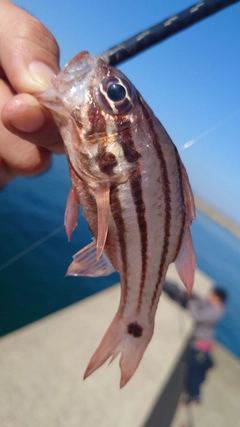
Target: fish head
{"type": "Point", "coordinates": [95, 108]}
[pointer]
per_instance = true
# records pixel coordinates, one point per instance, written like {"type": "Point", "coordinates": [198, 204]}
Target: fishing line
{"type": "Point", "coordinates": [209, 131]}
{"type": "Point", "coordinates": [31, 247]}
{"type": "Point", "coordinates": [137, 44]}
{"type": "Point", "coordinates": [163, 30]}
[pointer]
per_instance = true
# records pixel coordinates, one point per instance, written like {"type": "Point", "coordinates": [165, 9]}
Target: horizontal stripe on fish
{"type": "Point", "coordinates": [136, 189]}
{"type": "Point", "coordinates": [167, 202]}
{"type": "Point", "coordinates": [132, 155]}
{"type": "Point", "coordinates": [173, 201]}
{"type": "Point", "coordinates": [117, 214]}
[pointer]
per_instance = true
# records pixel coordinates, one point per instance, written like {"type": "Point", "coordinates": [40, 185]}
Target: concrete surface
{"type": "Point", "coordinates": [41, 367]}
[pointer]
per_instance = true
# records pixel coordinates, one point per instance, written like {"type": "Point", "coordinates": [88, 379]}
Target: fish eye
{"type": "Point", "coordinates": [116, 95]}
{"type": "Point", "coordinates": [116, 92]}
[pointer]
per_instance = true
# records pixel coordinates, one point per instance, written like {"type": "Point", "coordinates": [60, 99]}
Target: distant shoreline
{"type": "Point", "coordinates": [218, 217]}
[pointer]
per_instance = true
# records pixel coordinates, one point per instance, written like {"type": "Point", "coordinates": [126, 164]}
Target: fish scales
{"type": "Point", "coordinates": [127, 175]}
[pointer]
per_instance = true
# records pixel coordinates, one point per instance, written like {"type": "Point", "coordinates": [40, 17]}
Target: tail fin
{"type": "Point", "coordinates": [129, 339]}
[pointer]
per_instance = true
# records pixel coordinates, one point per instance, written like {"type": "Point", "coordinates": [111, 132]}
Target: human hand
{"type": "Point", "coordinates": [28, 59]}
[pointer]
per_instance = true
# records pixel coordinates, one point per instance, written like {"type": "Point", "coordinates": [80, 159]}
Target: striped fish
{"type": "Point", "coordinates": [134, 191]}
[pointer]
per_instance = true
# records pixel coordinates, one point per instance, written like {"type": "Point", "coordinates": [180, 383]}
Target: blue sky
{"type": "Point", "coordinates": [191, 80]}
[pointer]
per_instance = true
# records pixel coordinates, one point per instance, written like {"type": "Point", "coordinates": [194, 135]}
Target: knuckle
{"type": "Point", "coordinates": [36, 35]}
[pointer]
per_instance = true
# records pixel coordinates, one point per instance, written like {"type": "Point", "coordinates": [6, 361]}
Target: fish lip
{"type": "Point", "coordinates": [75, 70]}
{"type": "Point", "coordinates": [72, 74]}
{"type": "Point", "coordinates": [81, 63]}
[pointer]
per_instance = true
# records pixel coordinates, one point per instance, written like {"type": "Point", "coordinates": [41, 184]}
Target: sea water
{"type": "Point", "coordinates": [35, 255]}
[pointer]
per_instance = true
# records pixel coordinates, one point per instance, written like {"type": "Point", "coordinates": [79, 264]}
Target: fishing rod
{"type": "Point", "coordinates": [137, 44]}
{"type": "Point", "coordinates": [163, 30]}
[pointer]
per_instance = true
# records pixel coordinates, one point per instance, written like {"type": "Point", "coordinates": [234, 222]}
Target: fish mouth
{"type": "Point", "coordinates": [69, 83]}
{"type": "Point", "coordinates": [74, 71]}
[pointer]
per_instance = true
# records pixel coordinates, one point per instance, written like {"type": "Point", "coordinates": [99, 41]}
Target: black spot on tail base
{"type": "Point", "coordinates": [135, 329]}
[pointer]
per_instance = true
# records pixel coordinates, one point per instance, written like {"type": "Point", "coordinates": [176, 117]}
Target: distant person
{"type": "Point", "coordinates": [29, 56]}
{"type": "Point", "coordinates": [206, 313]}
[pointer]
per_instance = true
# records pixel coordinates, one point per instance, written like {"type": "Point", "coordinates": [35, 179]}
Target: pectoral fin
{"type": "Point", "coordinates": [71, 213]}
{"type": "Point", "coordinates": [186, 262]}
{"type": "Point", "coordinates": [85, 263]}
{"type": "Point", "coordinates": [103, 214]}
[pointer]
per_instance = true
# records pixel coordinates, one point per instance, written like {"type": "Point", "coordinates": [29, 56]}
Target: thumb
{"type": "Point", "coordinates": [29, 53]}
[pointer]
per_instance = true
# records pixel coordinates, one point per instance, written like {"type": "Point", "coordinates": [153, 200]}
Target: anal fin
{"type": "Point", "coordinates": [85, 263]}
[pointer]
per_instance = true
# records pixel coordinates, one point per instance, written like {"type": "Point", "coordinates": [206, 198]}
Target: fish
{"type": "Point", "coordinates": [134, 191]}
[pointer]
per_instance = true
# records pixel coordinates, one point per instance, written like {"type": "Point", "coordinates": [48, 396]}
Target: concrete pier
{"type": "Point", "coordinates": [42, 365]}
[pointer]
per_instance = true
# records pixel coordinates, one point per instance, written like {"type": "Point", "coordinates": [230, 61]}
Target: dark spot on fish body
{"type": "Point", "coordinates": [135, 329]}
{"type": "Point", "coordinates": [106, 162]}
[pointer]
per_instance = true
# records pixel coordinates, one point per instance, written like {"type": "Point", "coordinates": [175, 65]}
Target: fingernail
{"type": "Point", "coordinates": [28, 119]}
{"type": "Point", "coordinates": [41, 73]}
